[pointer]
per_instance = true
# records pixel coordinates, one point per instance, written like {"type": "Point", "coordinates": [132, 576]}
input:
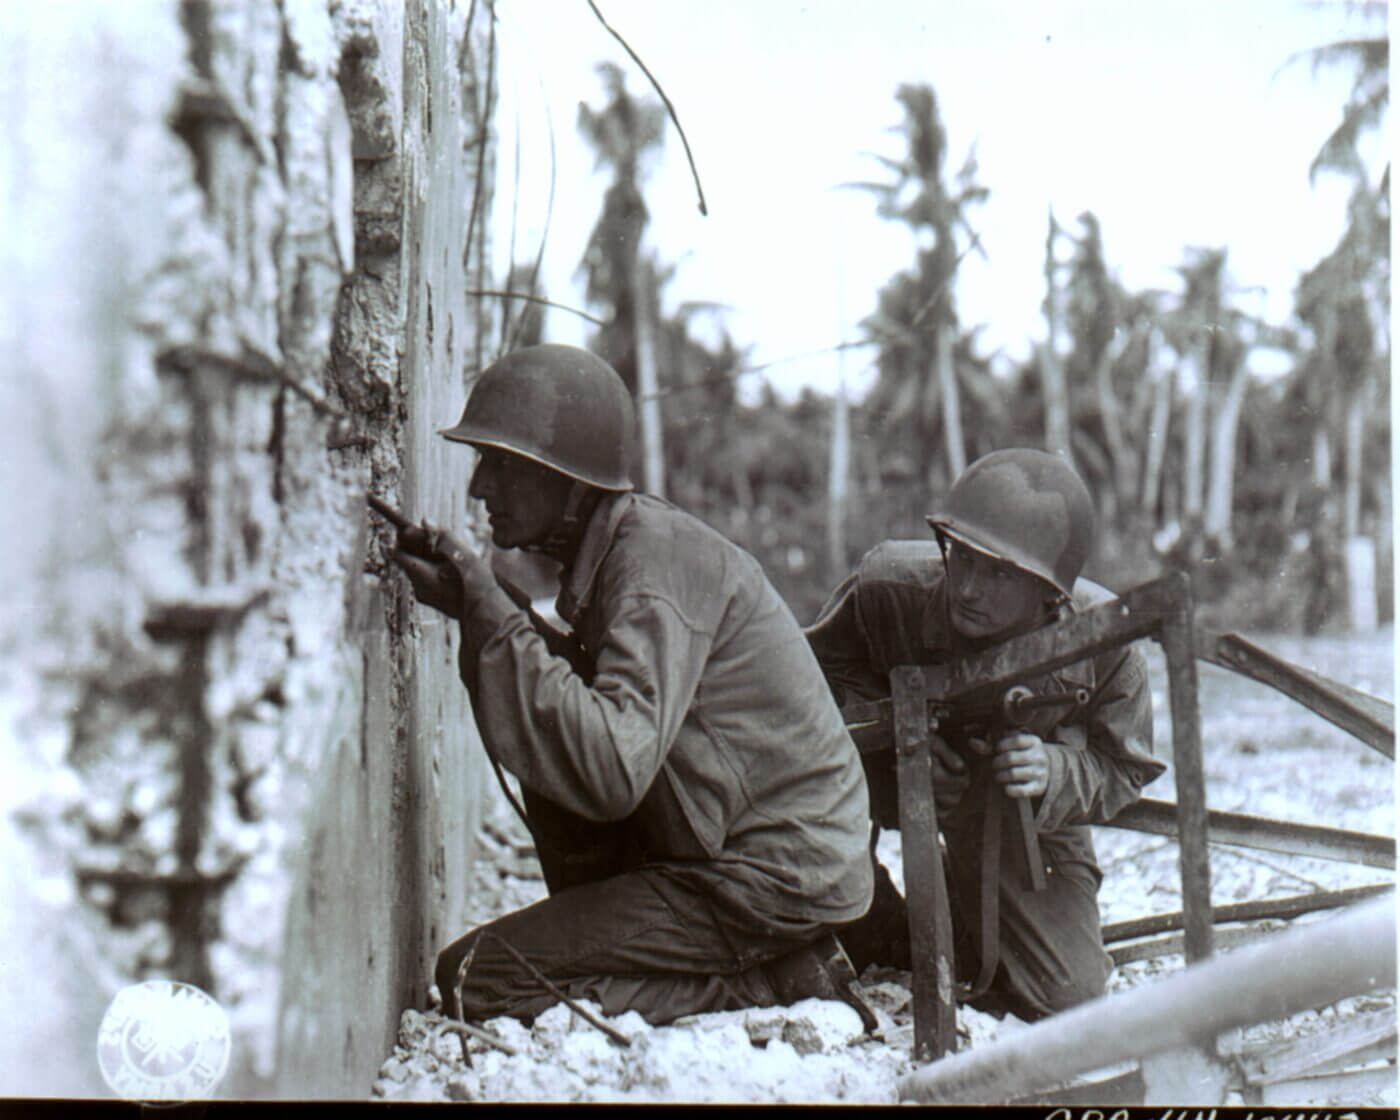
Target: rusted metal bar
{"type": "Point", "coordinates": [1248, 831]}
{"type": "Point", "coordinates": [1305, 967]}
{"type": "Point", "coordinates": [1179, 650]}
{"type": "Point", "coordinates": [930, 920]}
{"type": "Point", "coordinates": [1257, 910]}
{"type": "Point", "coordinates": [1369, 718]}
{"type": "Point", "coordinates": [1138, 613]}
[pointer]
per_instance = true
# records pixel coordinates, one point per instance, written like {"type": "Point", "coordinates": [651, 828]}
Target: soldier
{"type": "Point", "coordinates": [697, 805]}
{"type": "Point", "coordinates": [1009, 547]}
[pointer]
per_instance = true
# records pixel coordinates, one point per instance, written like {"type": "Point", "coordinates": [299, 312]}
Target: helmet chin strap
{"type": "Point", "coordinates": [560, 541]}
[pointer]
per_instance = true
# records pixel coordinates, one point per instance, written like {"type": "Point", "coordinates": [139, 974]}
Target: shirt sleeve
{"type": "Point", "coordinates": [840, 641]}
{"type": "Point", "coordinates": [1099, 766]}
{"type": "Point", "coordinates": [593, 748]}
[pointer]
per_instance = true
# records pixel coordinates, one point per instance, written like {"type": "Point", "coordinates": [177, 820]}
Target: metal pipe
{"type": "Point", "coordinates": [1305, 967]}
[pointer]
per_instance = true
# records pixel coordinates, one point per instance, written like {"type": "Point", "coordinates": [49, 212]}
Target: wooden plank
{"type": "Point", "coordinates": [1300, 1056]}
{"type": "Point", "coordinates": [1352, 1086]}
{"type": "Point", "coordinates": [1174, 943]}
{"type": "Point", "coordinates": [1248, 831]}
{"type": "Point", "coordinates": [1369, 718]}
{"type": "Point", "coordinates": [930, 921]}
{"type": "Point", "coordinates": [1253, 911]}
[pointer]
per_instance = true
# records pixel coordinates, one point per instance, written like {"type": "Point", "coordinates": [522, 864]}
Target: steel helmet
{"type": "Point", "coordinates": [558, 405]}
{"type": "Point", "coordinates": [1026, 507]}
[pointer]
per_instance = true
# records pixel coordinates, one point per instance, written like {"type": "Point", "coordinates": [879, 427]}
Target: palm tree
{"type": "Point", "coordinates": [1345, 298]}
{"type": "Point", "coordinates": [915, 322]}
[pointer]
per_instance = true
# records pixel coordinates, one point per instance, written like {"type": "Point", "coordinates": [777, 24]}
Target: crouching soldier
{"type": "Point", "coordinates": [1010, 544]}
{"type": "Point", "coordinates": [697, 805]}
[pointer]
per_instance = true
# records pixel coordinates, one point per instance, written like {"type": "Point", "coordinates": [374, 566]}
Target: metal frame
{"type": "Point", "coordinates": [1163, 610]}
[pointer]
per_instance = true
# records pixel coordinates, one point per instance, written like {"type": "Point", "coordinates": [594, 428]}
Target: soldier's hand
{"type": "Point", "coordinates": [435, 582]}
{"type": "Point", "coordinates": [1021, 764]}
{"type": "Point", "coordinates": [473, 572]}
{"type": "Point", "coordinates": [417, 540]}
{"type": "Point", "coordinates": [950, 775]}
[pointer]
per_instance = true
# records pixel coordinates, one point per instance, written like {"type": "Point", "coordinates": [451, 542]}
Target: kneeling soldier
{"type": "Point", "coordinates": [697, 805]}
{"type": "Point", "coordinates": [1010, 544]}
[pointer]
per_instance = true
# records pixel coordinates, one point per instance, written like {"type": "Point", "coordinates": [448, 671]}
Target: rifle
{"type": "Point", "coordinates": [388, 512]}
{"type": "Point", "coordinates": [871, 724]}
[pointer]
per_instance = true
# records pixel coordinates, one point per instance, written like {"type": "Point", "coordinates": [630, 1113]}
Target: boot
{"type": "Point", "coordinates": [820, 971]}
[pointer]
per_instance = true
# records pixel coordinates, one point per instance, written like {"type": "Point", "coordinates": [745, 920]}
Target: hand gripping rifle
{"type": "Point", "coordinates": [871, 725]}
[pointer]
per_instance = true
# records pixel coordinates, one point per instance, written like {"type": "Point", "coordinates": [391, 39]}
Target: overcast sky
{"type": "Point", "coordinates": [1178, 123]}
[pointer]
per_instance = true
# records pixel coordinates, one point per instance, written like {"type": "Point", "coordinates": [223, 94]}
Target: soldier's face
{"type": "Point", "coordinates": [525, 500]}
{"type": "Point", "coordinates": [989, 598]}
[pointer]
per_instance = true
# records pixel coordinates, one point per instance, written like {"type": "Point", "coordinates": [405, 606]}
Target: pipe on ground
{"type": "Point", "coordinates": [1305, 967]}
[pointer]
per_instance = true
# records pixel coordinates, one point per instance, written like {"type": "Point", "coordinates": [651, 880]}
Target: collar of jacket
{"type": "Point", "coordinates": [577, 582]}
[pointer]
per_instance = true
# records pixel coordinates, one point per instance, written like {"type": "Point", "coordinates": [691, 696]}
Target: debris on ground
{"type": "Point", "coordinates": [814, 1052]}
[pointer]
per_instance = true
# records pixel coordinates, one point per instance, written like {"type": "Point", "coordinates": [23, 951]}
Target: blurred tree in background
{"type": "Point", "coordinates": [1260, 487]}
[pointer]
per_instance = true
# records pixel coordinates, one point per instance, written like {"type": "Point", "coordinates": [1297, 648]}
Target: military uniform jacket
{"type": "Point", "coordinates": [696, 696]}
{"type": "Point", "coordinates": [893, 611]}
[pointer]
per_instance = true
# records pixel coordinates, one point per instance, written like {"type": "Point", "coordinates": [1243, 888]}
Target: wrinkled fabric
{"type": "Point", "coordinates": [644, 941]}
{"type": "Point", "coordinates": [892, 610]}
{"type": "Point", "coordinates": [687, 710]}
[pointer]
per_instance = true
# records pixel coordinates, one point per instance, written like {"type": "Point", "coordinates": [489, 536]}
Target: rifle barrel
{"type": "Point", "coordinates": [388, 512]}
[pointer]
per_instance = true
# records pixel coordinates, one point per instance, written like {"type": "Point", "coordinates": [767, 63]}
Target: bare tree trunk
{"type": "Point", "coordinates": [838, 485]}
{"type": "Point", "coordinates": [1360, 550]}
{"type": "Point", "coordinates": [1220, 497]}
{"type": "Point", "coordinates": [1122, 464]}
{"type": "Point", "coordinates": [1194, 449]}
{"type": "Point", "coordinates": [1157, 441]}
{"type": "Point", "coordinates": [1052, 374]}
{"type": "Point", "coordinates": [948, 391]}
{"type": "Point", "coordinates": [1352, 447]}
{"type": "Point", "coordinates": [1322, 457]}
{"type": "Point", "coordinates": [653, 462]}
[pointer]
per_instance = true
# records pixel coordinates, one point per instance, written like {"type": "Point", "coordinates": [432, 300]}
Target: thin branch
{"type": "Point", "coordinates": [535, 299]}
{"type": "Point", "coordinates": [554, 989]}
{"type": "Point", "coordinates": [666, 100]}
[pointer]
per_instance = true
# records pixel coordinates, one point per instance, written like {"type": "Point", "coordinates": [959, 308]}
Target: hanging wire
{"type": "Point", "coordinates": [734, 375]}
{"type": "Point", "coordinates": [695, 174]}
